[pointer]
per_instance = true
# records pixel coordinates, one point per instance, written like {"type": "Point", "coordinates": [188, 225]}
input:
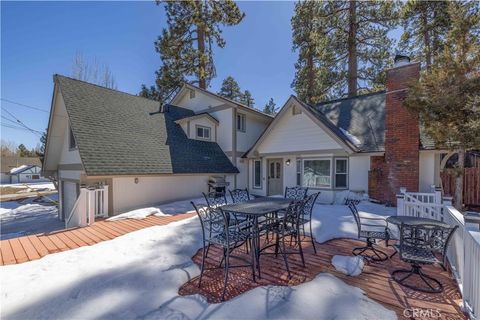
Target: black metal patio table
{"type": "Point", "coordinates": [398, 220]}
{"type": "Point", "coordinates": [255, 208]}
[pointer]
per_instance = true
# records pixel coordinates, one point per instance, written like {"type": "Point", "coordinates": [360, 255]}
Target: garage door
{"type": "Point", "coordinates": [69, 192]}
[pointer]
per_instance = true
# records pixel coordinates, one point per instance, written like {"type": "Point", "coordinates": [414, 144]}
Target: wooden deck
{"type": "Point", "coordinates": [27, 248]}
{"type": "Point", "coordinates": [375, 279]}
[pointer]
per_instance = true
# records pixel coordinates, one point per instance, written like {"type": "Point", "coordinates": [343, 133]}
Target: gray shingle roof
{"type": "Point", "coordinates": [363, 117]}
{"type": "Point", "coordinates": [122, 134]}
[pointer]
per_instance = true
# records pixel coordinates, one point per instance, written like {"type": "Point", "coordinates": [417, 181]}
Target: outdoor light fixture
{"type": "Point", "coordinates": [288, 162]}
{"type": "Point", "coordinates": [135, 180]}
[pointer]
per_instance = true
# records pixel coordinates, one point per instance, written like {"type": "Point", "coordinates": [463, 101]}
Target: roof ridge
{"type": "Point", "coordinates": [348, 98]}
{"type": "Point", "coordinates": [102, 87]}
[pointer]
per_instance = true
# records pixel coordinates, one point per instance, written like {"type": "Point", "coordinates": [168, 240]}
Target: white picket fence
{"type": "Point", "coordinates": [92, 202]}
{"type": "Point", "coordinates": [463, 253]}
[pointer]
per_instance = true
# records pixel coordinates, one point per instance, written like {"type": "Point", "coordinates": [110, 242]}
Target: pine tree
{"type": "Point", "coordinates": [149, 93]}
{"type": "Point", "coordinates": [425, 24]}
{"type": "Point", "coordinates": [247, 99]}
{"type": "Point", "coordinates": [230, 89]}
{"type": "Point", "coordinates": [350, 41]}
{"type": "Point", "coordinates": [186, 46]}
{"type": "Point", "coordinates": [446, 98]}
{"type": "Point", "coordinates": [270, 107]}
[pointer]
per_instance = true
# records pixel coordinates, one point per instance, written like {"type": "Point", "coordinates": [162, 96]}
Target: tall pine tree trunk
{"type": "Point", "coordinates": [202, 63]}
{"type": "Point", "coordinates": [426, 40]}
{"type": "Point", "coordinates": [459, 180]}
{"type": "Point", "coordinates": [311, 76]}
{"type": "Point", "coordinates": [352, 49]}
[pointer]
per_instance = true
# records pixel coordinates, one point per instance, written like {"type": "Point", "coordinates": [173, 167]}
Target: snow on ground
{"type": "Point", "coordinates": [350, 265]}
{"type": "Point", "coordinates": [26, 217]}
{"type": "Point", "coordinates": [336, 221]}
{"type": "Point", "coordinates": [33, 185]}
{"type": "Point", "coordinates": [138, 275]}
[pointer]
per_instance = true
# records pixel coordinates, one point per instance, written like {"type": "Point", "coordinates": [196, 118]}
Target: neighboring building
{"type": "Point", "coordinates": [368, 143]}
{"type": "Point", "coordinates": [145, 155]}
{"type": "Point", "coordinates": [21, 170]}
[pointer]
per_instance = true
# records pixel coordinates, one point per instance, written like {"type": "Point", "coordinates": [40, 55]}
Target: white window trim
{"type": "Point", "coordinates": [254, 186]}
{"type": "Point", "coordinates": [330, 159]}
{"type": "Point", "coordinates": [244, 117]}
{"type": "Point", "coordinates": [203, 128]}
{"type": "Point", "coordinates": [346, 174]}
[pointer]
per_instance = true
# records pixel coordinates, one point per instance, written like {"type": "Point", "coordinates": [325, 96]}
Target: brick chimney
{"type": "Point", "coordinates": [402, 135]}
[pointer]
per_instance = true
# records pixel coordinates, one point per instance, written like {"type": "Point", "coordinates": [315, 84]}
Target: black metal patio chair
{"type": "Point", "coordinates": [288, 225]}
{"type": "Point", "coordinates": [239, 195]}
{"type": "Point", "coordinates": [370, 232]}
{"type": "Point", "coordinates": [305, 216]}
{"type": "Point", "coordinates": [296, 193]}
{"type": "Point", "coordinates": [220, 229]}
{"type": "Point", "coordinates": [215, 199]}
{"type": "Point", "coordinates": [418, 245]}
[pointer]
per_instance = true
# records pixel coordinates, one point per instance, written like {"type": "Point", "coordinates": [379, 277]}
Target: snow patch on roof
{"type": "Point", "coordinates": [353, 139]}
{"type": "Point", "coordinates": [18, 169]}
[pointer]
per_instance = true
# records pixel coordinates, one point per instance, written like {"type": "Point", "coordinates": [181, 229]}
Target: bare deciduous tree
{"type": "Point", "coordinates": [92, 71]}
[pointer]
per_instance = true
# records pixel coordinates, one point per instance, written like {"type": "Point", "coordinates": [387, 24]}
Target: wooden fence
{"type": "Point", "coordinates": [471, 186]}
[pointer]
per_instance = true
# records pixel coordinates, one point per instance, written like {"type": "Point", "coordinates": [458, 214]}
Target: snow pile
{"type": "Point", "coordinates": [351, 266]}
{"type": "Point", "coordinates": [336, 221]}
{"type": "Point", "coordinates": [138, 275]}
{"type": "Point", "coordinates": [19, 219]}
{"type": "Point", "coordinates": [18, 169]}
{"type": "Point", "coordinates": [353, 139]}
{"type": "Point", "coordinates": [178, 207]}
{"type": "Point", "coordinates": [135, 214]}
{"type": "Point", "coordinates": [32, 185]}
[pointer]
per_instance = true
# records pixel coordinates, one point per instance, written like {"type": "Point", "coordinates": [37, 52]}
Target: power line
{"type": "Point", "coordinates": [7, 125]}
{"type": "Point", "coordinates": [22, 124]}
{"type": "Point", "coordinates": [24, 105]}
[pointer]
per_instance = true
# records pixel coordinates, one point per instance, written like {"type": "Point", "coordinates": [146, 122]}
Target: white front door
{"type": "Point", "coordinates": [275, 177]}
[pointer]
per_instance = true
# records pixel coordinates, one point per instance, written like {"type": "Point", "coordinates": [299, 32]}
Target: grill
{"type": "Point", "coordinates": [217, 184]}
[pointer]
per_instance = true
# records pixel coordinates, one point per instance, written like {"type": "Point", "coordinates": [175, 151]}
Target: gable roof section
{"type": "Point", "coordinates": [122, 134]}
{"type": "Point", "coordinates": [216, 96]}
{"type": "Point", "coordinates": [197, 116]}
{"type": "Point", "coordinates": [363, 117]}
{"type": "Point", "coordinates": [317, 117]}
{"type": "Point", "coordinates": [21, 169]}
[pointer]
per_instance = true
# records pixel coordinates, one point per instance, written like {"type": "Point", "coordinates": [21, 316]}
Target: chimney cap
{"type": "Point", "coordinates": [400, 60]}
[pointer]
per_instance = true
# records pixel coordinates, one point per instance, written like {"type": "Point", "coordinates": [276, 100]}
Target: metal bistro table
{"type": "Point", "coordinates": [255, 208]}
{"type": "Point", "coordinates": [398, 220]}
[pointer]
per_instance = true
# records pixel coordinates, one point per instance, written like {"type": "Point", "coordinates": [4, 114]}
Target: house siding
{"type": "Point", "coordinates": [296, 133]}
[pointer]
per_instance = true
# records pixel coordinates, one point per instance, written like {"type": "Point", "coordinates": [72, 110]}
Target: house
{"type": "Point", "coordinates": [368, 143]}
{"type": "Point", "coordinates": [147, 155]}
{"type": "Point", "coordinates": [144, 153]}
{"type": "Point", "coordinates": [21, 170]}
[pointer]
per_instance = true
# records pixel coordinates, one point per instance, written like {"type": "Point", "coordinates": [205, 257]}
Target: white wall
{"type": "Point", "coordinates": [224, 129]}
{"type": "Point", "coordinates": [426, 171]}
{"type": "Point", "coordinates": [294, 133]}
{"type": "Point", "coordinates": [68, 156]}
{"type": "Point", "coordinates": [255, 126]}
{"type": "Point", "coordinates": [154, 190]}
{"type": "Point", "coordinates": [201, 101]}
{"type": "Point", "coordinates": [358, 173]}
{"type": "Point", "coordinates": [5, 177]}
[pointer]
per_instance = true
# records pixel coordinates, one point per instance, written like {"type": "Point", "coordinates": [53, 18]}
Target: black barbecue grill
{"type": "Point", "coordinates": [217, 184]}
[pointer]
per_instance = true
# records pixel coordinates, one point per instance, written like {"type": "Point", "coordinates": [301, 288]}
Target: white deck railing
{"type": "Point", "coordinates": [463, 253]}
{"type": "Point", "coordinates": [92, 202]}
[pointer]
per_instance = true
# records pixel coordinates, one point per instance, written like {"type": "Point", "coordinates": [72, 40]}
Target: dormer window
{"type": "Point", "coordinates": [203, 133]}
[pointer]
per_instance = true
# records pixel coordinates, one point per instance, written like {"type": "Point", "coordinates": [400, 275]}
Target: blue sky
{"type": "Point", "coordinates": [39, 39]}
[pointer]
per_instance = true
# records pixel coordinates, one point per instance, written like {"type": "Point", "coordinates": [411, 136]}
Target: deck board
{"type": "Point", "coordinates": [375, 279]}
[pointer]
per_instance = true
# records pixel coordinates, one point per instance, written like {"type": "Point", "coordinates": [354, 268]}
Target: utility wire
{"type": "Point", "coordinates": [24, 105]}
{"type": "Point", "coordinates": [22, 124]}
